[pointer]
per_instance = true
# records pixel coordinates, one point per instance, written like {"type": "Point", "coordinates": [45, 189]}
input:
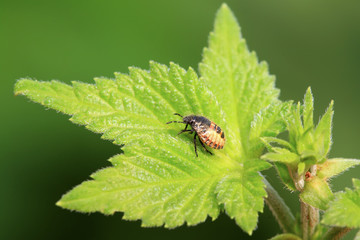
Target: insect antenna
{"type": "Point", "coordinates": [178, 114]}
{"type": "Point", "coordinates": [174, 122]}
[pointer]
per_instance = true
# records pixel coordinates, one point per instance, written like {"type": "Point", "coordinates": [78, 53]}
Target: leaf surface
{"type": "Point", "coordinates": [317, 193]}
{"type": "Point", "coordinates": [335, 166]}
{"type": "Point", "coordinates": [159, 179]}
{"type": "Point", "coordinates": [345, 208]}
{"type": "Point", "coordinates": [158, 188]}
{"type": "Point", "coordinates": [246, 93]}
{"type": "Point", "coordinates": [239, 194]}
{"type": "Point", "coordinates": [241, 84]}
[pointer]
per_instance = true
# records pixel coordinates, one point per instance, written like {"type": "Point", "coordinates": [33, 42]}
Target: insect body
{"type": "Point", "coordinates": [207, 131]}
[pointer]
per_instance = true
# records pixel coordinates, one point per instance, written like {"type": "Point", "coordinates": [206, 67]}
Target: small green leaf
{"type": "Point", "coordinates": [323, 132]}
{"type": "Point", "coordinates": [283, 172]}
{"type": "Point", "coordinates": [308, 114]}
{"type": "Point", "coordinates": [267, 123]}
{"type": "Point", "coordinates": [285, 236]}
{"type": "Point", "coordinates": [335, 166]}
{"type": "Point", "coordinates": [317, 193]}
{"type": "Point", "coordinates": [294, 125]}
{"type": "Point", "coordinates": [345, 208]}
{"type": "Point", "coordinates": [281, 142]}
{"type": "Point", "coordinates": [301, 168]}
{"type": "Point", "coordinates": [281, 155]}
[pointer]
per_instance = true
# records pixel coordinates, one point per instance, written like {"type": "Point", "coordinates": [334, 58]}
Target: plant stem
{"type": "Point", "coordinates": [304, 220]}
{"type": "Point", "coordinates": [279, 209]}
{"type": "Point", "coordinates": [313, 212]}
{"type": "Point", "coordinates": [309, 214]}
{"type": "Point", "coordinates": [313, 219]}
{"type": "Point", "coordinates": [336, 233]}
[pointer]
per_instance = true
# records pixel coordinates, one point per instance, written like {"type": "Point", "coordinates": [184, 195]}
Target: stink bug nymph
{"type": "Point", "coordinates": [207, 131]}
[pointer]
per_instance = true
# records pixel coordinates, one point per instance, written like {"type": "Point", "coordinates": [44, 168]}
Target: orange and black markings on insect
{"type": "Point", "coordinates": [207, 131]}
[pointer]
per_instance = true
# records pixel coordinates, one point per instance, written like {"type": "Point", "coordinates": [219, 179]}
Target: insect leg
{"type": "Point", "coordinates": [195, 144]}
{"type": "Point", "coordinates": [202, 144]}
{"type": "Point", "coordinates": [178, 114]}
{"type": "Point", "coordinates": [182, 131]}
{"type": "Point", "coordinates": [186, 130]}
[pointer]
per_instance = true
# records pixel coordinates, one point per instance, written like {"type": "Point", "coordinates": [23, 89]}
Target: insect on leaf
{"type": "Point", "coordinates": [159, 169]}
{"type": "Point", "coordinates": [241, 84]}
{"type": "Point", "coordinates": [159, 179]}
{"type": "Point", "coordinates": [243, 88]}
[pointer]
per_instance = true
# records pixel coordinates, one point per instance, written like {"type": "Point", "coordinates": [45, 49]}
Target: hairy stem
{"type": "Point", "coordinates": [313, 219]}
{"type": "Point", "coordinates": [313, 212]}
{"type": "Point", "coordinates": [304, 220]}
{"type": "Point", "coordinates": [336, 233]}
{"type": "Point", "coordinates": [279, 209]}
{"type": "Point", "coordinates": [309, 214]}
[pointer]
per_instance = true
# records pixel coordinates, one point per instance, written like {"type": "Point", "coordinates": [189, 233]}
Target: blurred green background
{"type": "Point", "coordinates": [43, 155]}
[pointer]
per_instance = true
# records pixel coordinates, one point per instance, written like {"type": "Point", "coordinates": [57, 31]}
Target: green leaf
{"type": "Point", "coordinates": [280, 142]}
{"type": "Point", "coordinates": [159, 179]}
{"type": "Point", "coordinates": [283, 172]}
{"type": "Point", "coordinates": [317, 193]}
{"type": "Point", "coordinates": [345, 208]}
{"type": "Point", "coordinates": [323, 132]}
{"type": "Point", "coordinates": [237, 195]}
{"type": "Point", "coordinates": [267, 123]}
{"type": "Point", "coordinates": [242, 85]}
{"type": "Point", "coordinates": [281, 155]}
{"type": "Point", "coordinates": [294, 126]}
{"type": "Point", "coordinates": [308, 114]}
{"type": "Point", "coordinates": [133, 110]}
{"type": "Point", "coordinates": [335, 166]}
{"type": "Point", "coordinates": [301, 168]}
{"type": "Point", "coordinates": [285, 236]}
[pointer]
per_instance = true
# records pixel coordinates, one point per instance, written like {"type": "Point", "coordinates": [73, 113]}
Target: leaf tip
{"type": "Point", "coordinates": [21, 86]}
{"type": "Point", "coordinates": [308, 90]}
{"type": "Point", "coordinates": [224, 7]}
{"type": "Point", "coordinates": [59, 204]}
{"type": "Point", "coordinates": [225, 13]}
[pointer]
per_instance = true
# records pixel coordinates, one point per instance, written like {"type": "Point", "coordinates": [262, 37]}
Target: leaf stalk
{"type": "Point", "coordinates": [279, 209]}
